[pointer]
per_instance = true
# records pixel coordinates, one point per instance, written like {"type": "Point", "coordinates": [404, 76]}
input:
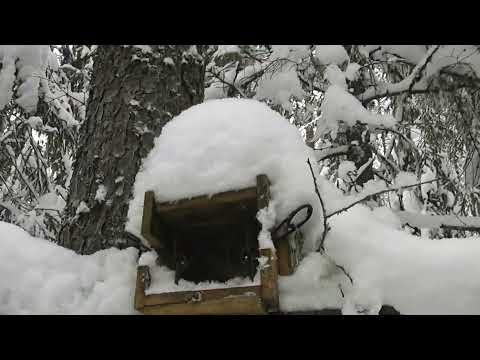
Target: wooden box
{"type": "Point", "coordinates": [229, 218]}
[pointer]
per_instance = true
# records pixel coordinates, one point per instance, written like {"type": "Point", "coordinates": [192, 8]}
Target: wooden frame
{"type": "Point", "coordinates": [252, 300]}
{"type": "Point", "coordinates": [260, 299]}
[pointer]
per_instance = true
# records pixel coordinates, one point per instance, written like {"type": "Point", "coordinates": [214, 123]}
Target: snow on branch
{"type": "Point", "coordinates": [332, 151]}
{"type": "Point", "coordinates": [448, 59]}
{"type": "Point", "coordinates": [439, 221]}
{"type": "Point", "coordinates": [366, 197]}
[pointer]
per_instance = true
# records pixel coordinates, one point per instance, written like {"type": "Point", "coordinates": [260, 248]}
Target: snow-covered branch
{"type": "Point", "coordinates": [370, 195]}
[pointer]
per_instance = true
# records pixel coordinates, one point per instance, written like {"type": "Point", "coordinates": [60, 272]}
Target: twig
{"type": "Point", "coordinates": [345, 272]}
{"type": "Point", "coordinates": [325, 225]}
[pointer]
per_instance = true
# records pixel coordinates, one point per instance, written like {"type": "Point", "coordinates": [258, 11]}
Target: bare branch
{"type": "Point", "coordinates": [325, 225]}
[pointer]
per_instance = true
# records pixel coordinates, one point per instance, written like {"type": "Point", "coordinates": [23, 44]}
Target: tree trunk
{"type": "Point", "coordinates": [134, 93]}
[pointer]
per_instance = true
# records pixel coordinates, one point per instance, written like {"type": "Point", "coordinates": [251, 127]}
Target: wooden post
{"type": "Point", "coordinates": [269, 280]}
{"type": "Point", "coordinates": [142, 275]}
{"type": "Point", "coordinates": [263, 191]}
{"type": "Point", "coordinates": [269, 273]}
{"type": "Point", "coordinates": [284, 261]}
{"type": "Point", "coordinates": [148, 212]}
{"type": "Point", "coordinates": [282, 247]}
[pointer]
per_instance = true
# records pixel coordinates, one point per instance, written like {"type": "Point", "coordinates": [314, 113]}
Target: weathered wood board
{"type": "Point", "coordinates": [237, 300]}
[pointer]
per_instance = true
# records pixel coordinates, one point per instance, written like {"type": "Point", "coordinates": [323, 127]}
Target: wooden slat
{"type": "Point", "coordinates": [206, 201]}
{"type": "Point", "coordinates": [148, 217]}
{"type": "Point", "coordinates": [235, 305]}
{"type": "Point", "coordinates": [269, 278]}
{"type": "Point", "coordinates": [207, 295]}
{"type": "Point", "coordinates": [140, 287]}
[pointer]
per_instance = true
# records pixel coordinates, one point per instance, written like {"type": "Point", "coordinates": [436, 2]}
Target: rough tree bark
{"type": "Point", "coordinates": [134, 93]}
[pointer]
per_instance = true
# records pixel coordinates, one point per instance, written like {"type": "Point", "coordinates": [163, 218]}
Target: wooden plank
{"type": "Point", "coordinates": [142, 275]}
{"type": "Point", "coordinates": [234, 305]}
{"type": "Point", "coordinates": [206, 295]}
{"type": "Point", "coordinates": [269, 278]}
{"type": "Point", "coordinates": [207, 201]}
{"type": "Point", "coordinates": [269, 273]}
{"type": "Point", "coordinates": [148, 218]}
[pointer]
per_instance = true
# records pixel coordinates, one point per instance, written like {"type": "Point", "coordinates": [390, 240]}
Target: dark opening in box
{"type": "Point", "coordinates": [207, 238]}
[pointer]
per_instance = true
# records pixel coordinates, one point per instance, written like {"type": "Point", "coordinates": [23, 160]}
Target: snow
{"type": "Point", "coordinates": [53, 61]}
{"type": "Point", "coordinates": [82, 208]}
{"type": "Point", "coordinates": [461, 59]}
{"type": "Point", "coordinates": [25, 64]}
{"type": "Point", "coordinates": [39, 277]}
{"type": "Point", "coordinates": [352, 71]}
{"type": "Point", "coordinates": [69, 67]}
{"type": "Point", "coordinates": [293, 52]}
{"type": "Point", "coordinates": [215, 91]}
{"type": "Point", "coordinates": [331, 54]}
{"type": "Point", "coordinates": [449, 55]}
{"type": "Point", "coordinates": [51, 201]}
{"type": "Point", "coordinates": [280, 86]}
{"type": "Point", "coordinates": [145, 48]}
{"type": "Point", "coordinates": [334, 202]}
{"type": "Point", "coordinates": [345, 169]}
{"type": "Point", "coordinates": [428, 175]}
{"type": "Point", "coordinates": [412, 53]}
{"type": "Point", "coordinates": [313, 286]}
{"type": "Point", "coordinates": [388, 267]}
{"type": "Point", "coordinates": [266, 216]}
{"type": "Point", "coordinates": [35, 122]}
{"type": "Point", "coordinates": [58, 102]}
{"type": "Point", "coordinates": [339, 105]}
{"type": "Point", "coordinates": [335, 76]}
{"type": "Point", "coordinates": [169, 61]}
{"type": "Point", "coordinates": [226, 49]}
{"type": "Point", "coordinates": [162, 279]}
{"type": "Point", "coordinates": [430, 221]}
{"type": "Point", "coordinates": [101, 193]}
{"type": "Point", "coordinates": [414, 275]}
{"type": "Point", "coordinates": [222, 145]}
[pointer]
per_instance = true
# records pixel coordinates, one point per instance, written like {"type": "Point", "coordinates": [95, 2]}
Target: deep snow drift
{"type": "Point", "coordinates": [388, 266]}
{"type": "Point", "coordinates": [40, 277]}
{"type": "Point", "coordinates": [413, 274]}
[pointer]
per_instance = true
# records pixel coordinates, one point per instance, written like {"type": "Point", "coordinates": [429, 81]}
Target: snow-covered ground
{"type": "Point", "coordinates": [388, 266]}
{"type": "Point", "coordinates": [40, 277]}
